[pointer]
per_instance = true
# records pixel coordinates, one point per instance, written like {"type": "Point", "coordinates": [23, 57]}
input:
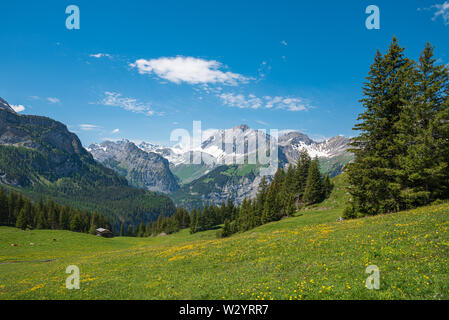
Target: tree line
{"type": "Point", "coordinates": [168, 225]}
{"type": "Point", "coordinates": [298, 186]}
{"type": "Point", "coordinates": [19, 211]}
{"type": "Point", "coordinates": [402, 151]}
{"type": "Point", "coordinates": [290, 189]}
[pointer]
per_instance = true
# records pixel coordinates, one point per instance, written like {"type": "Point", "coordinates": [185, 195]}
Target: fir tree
{"type": "Point", "coordinates": [313, 192]}
{"type": "Point", "coordinates": [422, 166]}
{"type": "Point", "coordinates": [291, 206]}
{"type": "Point", "coordinates": [22, 220]}
{"type": "Point", "coordinates": [374, 177]}
{"type": "Point", "coordinates": [4, 212]}
{"type": "Point", "coordinates": [129, 231]}
{"type": "Point", "coordinates": [327, 186]}
{"type": "Point", "coordinates": [302, 170]}
{"type": "Point", "coordinates": [270, 210]}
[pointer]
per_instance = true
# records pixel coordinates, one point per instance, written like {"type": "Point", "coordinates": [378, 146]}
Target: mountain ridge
{"type": "Point", "coordinates": [143, 169]}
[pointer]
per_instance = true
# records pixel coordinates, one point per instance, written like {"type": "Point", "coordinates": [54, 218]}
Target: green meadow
{"type": "Point", "coordinates": [310, 256]}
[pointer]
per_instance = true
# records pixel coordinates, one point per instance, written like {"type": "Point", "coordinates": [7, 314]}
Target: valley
{"type": "Point", "coordinates": [306, 257]}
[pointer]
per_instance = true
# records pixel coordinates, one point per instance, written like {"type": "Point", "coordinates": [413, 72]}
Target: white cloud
{"type": "Point", "coordinates": [100, 55]}
{"type": "Point", "coordinates": [53, 100]}
{"type": "Point", "coordinates": [115, 99]}
{"type": "Point", "coordinates": [89, 127]}
{"type": "Point", "coordinates": [440, 10]}
{"type": "Point", "coordinates": [18, 107]}
{"type": "Point", "coordinates": [241, 101]}
{"type": "Point", "coordinates": [267, 102]}
{"type": "Point", "coordinates": [262, 122]}
{"type": "Point", "coordinates": [188, 69]}
{"type": "Point", "coordinates": [443, 11]}
{"type": "Point", "coordinates": [115, 131]}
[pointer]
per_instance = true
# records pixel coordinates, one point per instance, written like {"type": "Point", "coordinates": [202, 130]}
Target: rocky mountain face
{"type": "Point", "coordinates": [46, 151]}
{"type": "Point", "coordinates": [5, 106]}
{"type": "Point", "coordinates": [292, 143]}
{"type": "Point", "coordinates": [142, 169]}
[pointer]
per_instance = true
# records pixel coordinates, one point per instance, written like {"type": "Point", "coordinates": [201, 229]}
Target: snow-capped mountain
{"type": "Point", "coordinates": [232, 146]}
{"type": "Point", "coordinates": [292, 143]}
{"type": "Point", "coordinates": [199, 167]}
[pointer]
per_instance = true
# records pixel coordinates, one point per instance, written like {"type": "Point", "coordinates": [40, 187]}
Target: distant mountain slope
{"type": "Point", "coordinates": [40, 156]}
{"type": "Point", "coordinates": [142, 169]}
{"type": "Point", "coordinates": [235, 182]}
{"type": "Point", "coordinates": [292, 143]}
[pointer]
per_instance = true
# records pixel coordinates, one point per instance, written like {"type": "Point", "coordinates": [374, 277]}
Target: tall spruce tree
{"type": "Point", "coordinates": [423, 169]}
{"type": "Point", "coordinates": [302, 170]}
{"type": "Point", "coordinates": [374, 175]}
{"type": "Point", "coordinates": [4, 212]}
{"type": "Point", "coordinates": [313, 192]}
{"type": "Point", "coordinates": [22, 219]}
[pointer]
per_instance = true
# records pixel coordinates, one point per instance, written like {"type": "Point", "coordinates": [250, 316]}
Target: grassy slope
{"type": "Point", "coordinates": [306, 257]}
{"type": "Point", "coordinates": [187, 173]}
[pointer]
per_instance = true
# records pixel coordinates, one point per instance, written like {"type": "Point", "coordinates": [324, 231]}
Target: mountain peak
{"type": "Point", "coordinates": [5, 106]}
{"type": "Point", "coordinates": [243, 127]}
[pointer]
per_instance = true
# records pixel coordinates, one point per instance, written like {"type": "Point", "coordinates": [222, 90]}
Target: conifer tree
{"type": "Point", "coordinates": [76, 223]}
{"type": "Point", "coordinates": [193, 221]}
{"type": "Point", "coordinates": [291, 206]}
{"type": "Point", "coordinates": [4, 212]}
{"type": "Point", "coordinates": [141, 231]}
{"type": "Point", "coordinates": [226, 232]}
{"type": "Point", "coordinates": [22, 220]}
{"type": "Point", "coordinates": [327, 186]}
{"type": "Point", "coordinates": [374, 177]}
{"type": "Point", "coordinates": [41, 219]}
{"type": "Point", "coordinates": [260, 198]}
{"type": "Point", "coordinates": [422, 166]}
{"type": "Point", "coordinates": [270, 210]}
{"type": "Point", "coordinates": [302, 170]}
{"type": "Point", "coordinates": [314, 186]}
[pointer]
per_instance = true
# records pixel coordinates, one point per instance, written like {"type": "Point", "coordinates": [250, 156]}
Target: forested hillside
{"type": "Point", "coordinates": [39, 156]}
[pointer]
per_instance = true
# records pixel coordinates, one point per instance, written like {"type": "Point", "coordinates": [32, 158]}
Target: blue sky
{"type": "Point", "coordinates": [139, 69]}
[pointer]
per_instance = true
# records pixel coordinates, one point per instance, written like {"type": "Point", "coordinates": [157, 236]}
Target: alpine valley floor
{"type": "Point", "coordinates": [310, 256]}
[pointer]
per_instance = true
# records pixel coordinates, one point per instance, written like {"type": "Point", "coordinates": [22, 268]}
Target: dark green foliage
{"type": "Point", "coordinates": [401, 154]}
{"type": "Point", "coordinates": [19, 211]}
{"type": "Point", "coordinates": [58, 166]}
{"type": "Point", "coordinates": [129, 231]}
{"type": "Point", "coordinates": [272, 202]}
{"type": "Point", "coordinates": [314, 191]}
{"type": "Point", "coordinates": [302, 170]}
{"type": "Point", "coordinates": [4, 210]}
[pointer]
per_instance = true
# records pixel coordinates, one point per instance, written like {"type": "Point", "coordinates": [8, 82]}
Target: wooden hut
{"type": "Point", "coordinates": [105, 233]}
